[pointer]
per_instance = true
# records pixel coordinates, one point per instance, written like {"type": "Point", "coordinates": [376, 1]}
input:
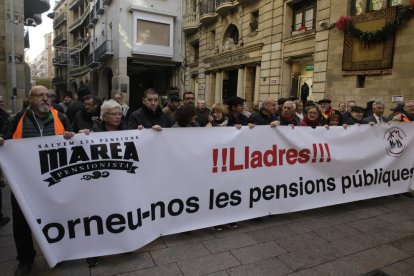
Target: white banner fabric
{"type": "Point", "coordinates": [114, 192]}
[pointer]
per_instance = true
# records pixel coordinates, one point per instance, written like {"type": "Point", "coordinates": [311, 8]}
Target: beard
{"type": "Point", "coordinates": [44, 108]}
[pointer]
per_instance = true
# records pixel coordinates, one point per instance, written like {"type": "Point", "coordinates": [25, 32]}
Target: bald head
{"type": "Point", "coordinates": [269, 107]}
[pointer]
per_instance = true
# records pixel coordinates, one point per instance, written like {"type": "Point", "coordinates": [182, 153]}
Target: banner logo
{"type": "Point", "coordinates": [395, 137]}
{"type": "Point", "coordinates": [64, 162]}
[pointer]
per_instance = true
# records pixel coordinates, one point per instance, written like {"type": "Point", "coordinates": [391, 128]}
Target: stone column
{"type": "Point", "coordinates": [219, 87]}
{"type": "Point", "coordinates": [207, 88]}
{"type": "Point", "coordinates": [240, 81]}
{"type": "Point", "coordinates": [257, 84]}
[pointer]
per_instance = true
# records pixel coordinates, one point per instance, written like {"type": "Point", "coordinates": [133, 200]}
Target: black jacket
{"type": "Point", "coordinates": [99, 126]}
{"type": "Point", "coordinates": [239, 120]}
{"type": "Point", "coordinates": [84, 120]}
{"type": "Point", "coordinates": [372, 118]}
{"type": "Point", "coordinates": [259, 118]}
{"type": "Point", "coordinates": [147, 118]}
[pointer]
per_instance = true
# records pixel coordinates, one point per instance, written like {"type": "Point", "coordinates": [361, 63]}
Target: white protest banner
{"type": "Point", "coordinates": [114, 192]}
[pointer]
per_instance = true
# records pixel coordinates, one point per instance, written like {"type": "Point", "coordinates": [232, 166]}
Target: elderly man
{"type": "Point", "coordinates": [357, 114]}
{"type": "Point", "coordinates": [150, 115]}
{"type": "Point", "coordinates": [202, 112]}
{"type": "Point", "coordinates": [90, 112]}
{"type": "Point", "coordinates": [408, 114]}
{"type": "Point", "coordinates": [266, 114]}
{"type": "Point", "coordinates": [377, 112]}
{"type": "Point", "coordinates": [119, 98]}
{"type": "Point", "coordinates": [287, 117]}
{"type": "Point", "coordinates": [38, 120]}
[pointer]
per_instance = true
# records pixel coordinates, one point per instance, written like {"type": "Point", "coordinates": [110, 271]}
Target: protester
{"type": "Point", "coordinates": [188, 97]}
{"type": "Point", "coordinates": [299, 110]}
{"type": "Point", "coordinates": [186, 116]}
{"type": "Point", "coordinates": [304, 92]}
{"type": "Point", "coordinates": [236, 117]}
{"type": "Point", "coordinates": [408, 114]}
{"type": "Point", "coordinates": [218, 115]}
{"type": "Point", "coordinates": [150, 115]}
{"type": "Point", "coordinates": [377, 117]}
{"type": "Point", "coordinates": [66, 102]}
{"type": "Point", "coordinates": [171, 107]}
{"type": "Point", "coordinates": [347, 114]}
{"type": "Point", "coordinates": [111, 118]}
{"type": "Point", "coordinates": [86, 117]}
{"type": "Point", "coordinates": [119, 98]}
{"type": "Point", "coordinates": [287, 117]}
{"type": "Point", "coordinates": [334, 120]}
{"type": "Point", "coordinates": [357, 114]}
{"type": "Point", "coordinates": [312, 117]}
{"type": "Point", "coordinates": [202, 112]}
{"type": "Point", "coordinates": [266, 114]}
{"type": "Point", "coordinates": [342, 107]}
{"type": "Point", "coordinates": [26, 124]}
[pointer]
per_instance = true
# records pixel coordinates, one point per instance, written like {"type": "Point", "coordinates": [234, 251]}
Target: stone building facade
{"type": "Point", "coordinates": [268, 48]}
{"type": "Point", "coordinates": [41, 66]}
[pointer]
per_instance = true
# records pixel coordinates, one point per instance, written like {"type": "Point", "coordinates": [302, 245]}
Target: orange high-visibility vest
{"type": "Point", "coordinates": [59, 129]}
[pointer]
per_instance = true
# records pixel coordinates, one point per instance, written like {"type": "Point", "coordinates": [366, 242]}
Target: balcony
{"type": "Point", "coordinates": [107, 2]}
{"type": "Point", "coordinates": [104, 51]}
{"type": "Point", "coordinates": [59, 39]}
{"type": "Point", "coordinates": [60, 59]}
{"type": "Point", "coordinates": [191, 22]}
{"type": "Point", "coordinates": [207, 10]}
{"type": "Point", "coordinates": [59, 20]}
{"type": "Point", "coordinates": [223, 6]}
{"type": "Point", "coordinates": [79, 71]}
{"type": "Point", "coordinates": [80, 20]}
{"type": "Point", "coordinates": [246, 1]}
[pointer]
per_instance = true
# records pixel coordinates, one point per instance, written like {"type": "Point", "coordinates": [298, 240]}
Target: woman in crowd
{"type": "Point", "coordinates": [218, 115]}
{"type": "Point", "coordinates": [312, 117]}
{"type": "Point", "coordinates": [334, 120]}
{"type": "Point", "coordinates": [111, 118]}
{"type": "Point", "coordinates": [186, 116]}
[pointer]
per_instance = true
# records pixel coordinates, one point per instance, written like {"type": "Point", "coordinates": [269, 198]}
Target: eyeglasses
{"type": "Point", "coordinates": [41, 95]}
{"type": "Point", "coordinates": [119, 114]}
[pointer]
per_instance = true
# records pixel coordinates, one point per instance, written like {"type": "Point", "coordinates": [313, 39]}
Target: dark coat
{"type": "Point", "coordinates": [4, 116]}
{"type": "Point", "coordinates": [289, 121]}
{"type": "Point", "coordinates": [259, 118]}
{"type": "Point", "coordinates": [84, 120]}
{"type": "Point", "coordinates": [147, 118]}
{"type": "Point", "coordinates": [239, 120]}
{"type": "Point", "coordinates": [372, 119]}
{"type": "Point", "coordinates": [99, 126]}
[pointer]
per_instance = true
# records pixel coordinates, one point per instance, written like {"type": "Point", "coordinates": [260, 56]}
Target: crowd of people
{"type": "Point", "coordinates": [42, 116]}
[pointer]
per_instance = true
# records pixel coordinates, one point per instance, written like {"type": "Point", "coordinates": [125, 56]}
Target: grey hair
{"type": "Point", "coordinates": [378, 102]}
{"type": "Point", "coordinates": [108, 105]}
{"type": "Point", "coordinates": [292, 103]}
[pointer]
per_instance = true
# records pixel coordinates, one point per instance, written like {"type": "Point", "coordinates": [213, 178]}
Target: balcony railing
{"type": "Point", "coordinates": [59, 20]}
{"type": "Point", "coordinates": [60, 38]}
{"type": "Point", "coordinates": [223, 6]}
{"type": "Point", "coordinates": [80, 19]}
{"type": "Point", "coordinates": [104, 51]}
{"type": "Point", "coordinates": [191, 22]}
{"type": "Point", "coordinates": [207, 10]}
{"type": "Point", "coordinates": [107, 2]}
{"type": "Point", "coordinates": [73, 3]}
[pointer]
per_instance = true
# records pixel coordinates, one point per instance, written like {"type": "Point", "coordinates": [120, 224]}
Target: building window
{"type": "Point", "coordinates": [213, 39]}
{"type": "Point", "coordinates": [374, 5]}
{"type": "Point", "coordinates": [393, 3]}
{"type": "Point", "coordinates": [153, 34]}
{"type": "Point", "coordinates": [304, 15]}
{"type": "Point", "coordinates": [360, 81]}
{"type": "Point", "coordinates": [356, 7]}
{"type": "Point", "coordinates": [254, 21]}
{"type": "Point", "coordinates": [195, 52]}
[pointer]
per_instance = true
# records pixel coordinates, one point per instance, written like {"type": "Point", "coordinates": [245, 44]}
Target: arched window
{"type": "Point", "coordinates": [231, 35]}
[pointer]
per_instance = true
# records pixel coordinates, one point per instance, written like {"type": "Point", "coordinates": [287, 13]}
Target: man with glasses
{"type": "Point", "coordinates": [150, 115]}
{"type": "Point", "coordinates": [408, 114]}
{"type": "Point", "coordinates": [90, 112]}
{"type": "Point", "coordinates": [37, 120]}
{"type": "Point", "coordinates": [119, 98]}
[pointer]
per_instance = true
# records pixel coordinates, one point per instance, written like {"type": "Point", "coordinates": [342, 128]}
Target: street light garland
{"type": "Point", "coordinates": [344, 24]}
